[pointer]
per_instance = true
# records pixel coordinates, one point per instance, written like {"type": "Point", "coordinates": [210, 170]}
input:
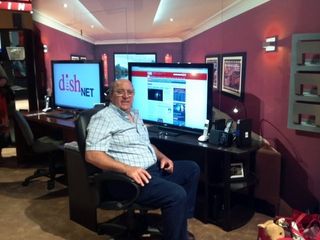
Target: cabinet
{"type": "Point", "coordinates": [17, 58]}
{"type": "Point", "coordinates": [223, 200]}
{"type": "Point", "coordinates": [304, 98]}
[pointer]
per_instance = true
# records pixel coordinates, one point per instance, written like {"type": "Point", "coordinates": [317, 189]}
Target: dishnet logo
{"type": "Point", "coordinates": [74, 85]}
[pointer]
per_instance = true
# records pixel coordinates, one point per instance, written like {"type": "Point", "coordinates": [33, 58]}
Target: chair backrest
{"type": "Point", "coordinates": [24, 127]}
{"type": "Point", "coordinates": [81, 125]}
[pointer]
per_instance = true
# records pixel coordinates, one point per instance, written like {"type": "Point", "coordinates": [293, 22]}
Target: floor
{"type": "Point", "coordinates": [34, 213]}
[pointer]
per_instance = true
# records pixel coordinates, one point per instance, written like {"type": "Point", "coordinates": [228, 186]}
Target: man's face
{"type": "Point", "coordinates": [122, 95]}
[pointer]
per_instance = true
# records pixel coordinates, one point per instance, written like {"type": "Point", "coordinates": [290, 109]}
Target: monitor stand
{"type": "Point", "coordinates": [165, 131]}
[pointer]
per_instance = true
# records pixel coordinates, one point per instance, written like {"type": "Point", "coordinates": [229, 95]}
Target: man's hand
{"type": "Point", "coordinates": [139, 175]}
{"type": "Point", "coordinates": [166, 164]}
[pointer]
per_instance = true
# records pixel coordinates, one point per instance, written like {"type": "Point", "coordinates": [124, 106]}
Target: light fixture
{"type": "Point", "coordinates": [239, 111]}
{"type": "Point", "coordinates": [45, 48]}
{"type": "Point", "coordinates": [270, 44]}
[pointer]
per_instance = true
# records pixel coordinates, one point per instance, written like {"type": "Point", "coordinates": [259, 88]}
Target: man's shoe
{"type": "Point", "coordinates": [191, 236]}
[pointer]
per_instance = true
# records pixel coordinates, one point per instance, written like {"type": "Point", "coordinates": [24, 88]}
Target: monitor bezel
{"type": "Point", "coordinates": [101, 82]}
{"type": "Point", "coordinates": [181, 65]}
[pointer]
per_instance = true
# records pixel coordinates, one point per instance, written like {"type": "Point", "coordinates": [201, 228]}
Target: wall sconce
{"type": "Point", "coordinates": [168, 58]}
{"type": "Point", "coordinates": [45, 48]}
{"type": "Point", "coordinates": [270, 44]}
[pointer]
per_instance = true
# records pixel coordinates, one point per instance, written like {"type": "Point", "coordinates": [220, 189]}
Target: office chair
{"type": "Point", "coordinates": [90, 189]}
{"type": "Point", "coordinates": [46, 147]}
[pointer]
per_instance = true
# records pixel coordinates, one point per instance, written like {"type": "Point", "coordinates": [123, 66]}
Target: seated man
{"type": "Point", "coordinates": [118, 141]}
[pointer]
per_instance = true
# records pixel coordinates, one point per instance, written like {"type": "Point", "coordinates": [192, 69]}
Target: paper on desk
{"type": "Point", "coordinates": [71, 145]}
{"type": "Point", "coordinates": [35, 114]}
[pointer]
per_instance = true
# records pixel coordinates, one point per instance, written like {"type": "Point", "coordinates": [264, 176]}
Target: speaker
{"type": "Point", "coordinates": [243, 133]}
{"type": "Point", "coordinates": [215, 136]}
{"type": "Point", "coordinates": [219, 124]}
{"type": "Point", "coordinates": [220, 138]}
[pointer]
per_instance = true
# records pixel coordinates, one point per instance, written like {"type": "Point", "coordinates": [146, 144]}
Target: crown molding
{"type": "Point", "coordinates": [237, 8]}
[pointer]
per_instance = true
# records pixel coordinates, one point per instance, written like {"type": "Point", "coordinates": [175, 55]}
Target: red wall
{"type": "Point", "coordinates": [60, 47]}
{"type": "Point", "coordinates": [267, 85]}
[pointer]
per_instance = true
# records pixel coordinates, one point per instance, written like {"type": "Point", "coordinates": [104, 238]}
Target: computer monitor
{"type": "Point", "coordinates": [77, 85]}
{"type": "Point", "coordinates": [174, 96]}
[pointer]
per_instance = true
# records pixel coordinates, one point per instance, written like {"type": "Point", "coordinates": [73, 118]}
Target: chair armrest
{"type": "Point", "coordinates": [109, 177]}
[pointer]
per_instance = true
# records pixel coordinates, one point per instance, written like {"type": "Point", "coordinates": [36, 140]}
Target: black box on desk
{"type": "Point", "coordinates": [220, 138]}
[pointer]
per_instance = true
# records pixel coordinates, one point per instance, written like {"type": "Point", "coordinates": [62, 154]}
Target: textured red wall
{"type": "Point", "coordinates": [267, 85]}
{"type": "Point", "coordinates": [61, 46]}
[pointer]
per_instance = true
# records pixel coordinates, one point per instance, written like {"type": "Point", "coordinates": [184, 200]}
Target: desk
{"type": "Point", "coordinates": [221, 200]}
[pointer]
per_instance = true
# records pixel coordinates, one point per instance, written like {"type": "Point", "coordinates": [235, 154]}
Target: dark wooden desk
{"type": "Point", "coordinates": [221, 200]}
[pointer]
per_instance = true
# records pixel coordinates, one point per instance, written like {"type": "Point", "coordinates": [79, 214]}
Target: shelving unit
{"type": "Point", "coordinates": [304, 99]}
{"type": "Point", "coordinates": [221, 200]}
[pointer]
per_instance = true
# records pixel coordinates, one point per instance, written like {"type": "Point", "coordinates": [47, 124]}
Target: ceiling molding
{"type": "Point", "coordinates": [50, 22]}
{"type": "Point", "coordinates": [233, 10]}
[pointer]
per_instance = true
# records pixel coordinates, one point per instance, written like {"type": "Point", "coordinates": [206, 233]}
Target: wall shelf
{"type": "Point", "coordinates": [304, 95]}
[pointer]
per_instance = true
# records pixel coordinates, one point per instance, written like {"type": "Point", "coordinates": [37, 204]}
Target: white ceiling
{"type": "Point", "coordinates": [127, 21]}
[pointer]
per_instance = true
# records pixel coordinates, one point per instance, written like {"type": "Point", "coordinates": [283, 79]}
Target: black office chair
{"type": "Point", "coordinates": [46, 147]}
{"type": "Point", "coordinates": [91, 189]}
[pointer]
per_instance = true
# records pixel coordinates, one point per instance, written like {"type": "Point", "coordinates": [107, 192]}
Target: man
{"type": "Point", "coordinates": [118, 141]}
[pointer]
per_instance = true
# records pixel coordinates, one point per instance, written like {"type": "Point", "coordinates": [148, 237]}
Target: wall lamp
{"type": "Point", "coordinates": [45, 48]}
{"type": "Point", "coordinates": [270, 44]}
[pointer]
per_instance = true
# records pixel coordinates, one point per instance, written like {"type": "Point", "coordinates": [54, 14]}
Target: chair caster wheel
{"type": "Point", "coordinates": [25, 183]}
{"type": "Point", "coordinates": [50, 185]}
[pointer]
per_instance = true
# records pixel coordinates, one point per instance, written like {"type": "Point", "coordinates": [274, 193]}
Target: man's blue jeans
{"type": "Point", "coordinates": [174, 194]}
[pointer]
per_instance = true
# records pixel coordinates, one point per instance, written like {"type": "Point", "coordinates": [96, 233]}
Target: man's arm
{"type": "Point", "coordinates": [104, 161]}
{"type": "Point", "coordinates": [165, 162]}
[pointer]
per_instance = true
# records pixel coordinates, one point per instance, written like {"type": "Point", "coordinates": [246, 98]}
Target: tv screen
{"type": "Point", "coordinates": [77, 85]}
{"type": "Point", "coordinates": [173, 95]}
{"type": "Point", "coordinates": [121, 61]}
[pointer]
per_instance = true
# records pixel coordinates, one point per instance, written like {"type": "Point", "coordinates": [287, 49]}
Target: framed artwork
{"type": "Point", "coordinates": [215, 60]}
{"type": "Point", "coordinates": [121, 60]}
{"type": "Point", "coordinates": [233, 74]}
{"type": "Point", "coordinates": [236, 170]}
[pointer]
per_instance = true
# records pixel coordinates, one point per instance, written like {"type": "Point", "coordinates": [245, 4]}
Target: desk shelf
{"type": "Point", "coordinates": [222, 201]}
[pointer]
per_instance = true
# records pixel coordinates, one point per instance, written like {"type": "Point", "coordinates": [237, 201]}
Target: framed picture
{"type": "Point", "coordinates": [236, 170]}
{"type": "Point", "coordinates": [121, 60]}
{"type": "Point", "coordinates": [82, 57]}
{"type": "Point", "coordinates": [233, 74]}
{"type": "Point", "coordinates": [215, 60]}
{"type": "Point", "coordinates": [74, 57]}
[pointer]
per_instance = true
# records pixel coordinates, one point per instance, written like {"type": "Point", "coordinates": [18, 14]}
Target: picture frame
{"type": "Point", "coordinates": [215, 60]}
{"type": "Point", "coordinates": [121, 60]}
{"type": "Point", "coordinates": [233, 74]}
{"type": "Point", "coordinates": [236, 170]}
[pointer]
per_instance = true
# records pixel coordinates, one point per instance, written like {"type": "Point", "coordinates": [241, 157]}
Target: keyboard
{"type": "Point", "coordinates": [60, 115]}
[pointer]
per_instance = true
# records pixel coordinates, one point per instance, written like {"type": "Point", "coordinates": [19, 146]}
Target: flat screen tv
{"type": "Point", "coordinates": [121, 61]}
{"type": "Point", "coordinates": [171, 95]}
{"type": "Point", "coordinates": [77, 85]}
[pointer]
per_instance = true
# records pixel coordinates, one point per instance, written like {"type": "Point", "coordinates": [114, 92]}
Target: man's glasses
{"type": "Point", "coordinates": [122, 92]}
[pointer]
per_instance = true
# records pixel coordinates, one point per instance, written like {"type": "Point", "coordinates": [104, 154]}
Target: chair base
{"type": "Point", "coordinates": [132, 226]}
{"type": "Point", "coordinates": [42, 173]}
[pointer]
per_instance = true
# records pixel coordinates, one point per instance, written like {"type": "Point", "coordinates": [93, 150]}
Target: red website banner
{"type": "Point", "coordinates": [173, 75]}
